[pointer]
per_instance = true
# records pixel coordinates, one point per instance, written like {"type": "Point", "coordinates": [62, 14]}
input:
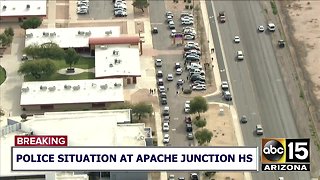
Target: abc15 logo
{"type": "Point", "coordinates": [281, 150]}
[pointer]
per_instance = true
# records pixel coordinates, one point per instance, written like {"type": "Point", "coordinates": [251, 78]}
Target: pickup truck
{"type": "Point", "coordinates": [222, 17]}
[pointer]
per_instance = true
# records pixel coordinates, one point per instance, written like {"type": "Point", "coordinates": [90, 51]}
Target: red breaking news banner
{"type": "Point", "coordinates": [41, 141]}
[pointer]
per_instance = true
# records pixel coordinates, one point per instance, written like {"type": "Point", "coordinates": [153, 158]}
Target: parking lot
{"type": "Point", "coordinates": [98, 10]}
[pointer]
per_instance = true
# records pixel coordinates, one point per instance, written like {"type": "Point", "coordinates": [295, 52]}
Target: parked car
{"type": "Point", "coordinates": [180, 82]}
{"type": "Point", "coordinates": [189, 37]}
{"type": "Point", "coordinates": [166, 138]}
{"type": "Point", "coordinates": [179, 71]}
{"type": "Point", "coordinates": [24, 57]}
{"type": "Point", "coordinates": [165, 127]}
{"type": "Point", "coordinates": [158, 62]}
{"type": "Point", "coordinates": [199, 87]}
{"type": "Point", "coordinates": [260, 28]}
{"type": "Point", "coordinates": [192, 57]}
{"type": "Point", "coordinates": [259, 129]}
{"type": "Point", "coordinates": [166, 111]}
{"type": "Point", "coordinates": [224, 86]}
{"type": "Point", "coordinates": [177, 65]}
{"type": "Point", "coordinates": [162, 89]}
{"type": "Point", "coordinates": [281, 43]}
{"type": "Point", "coordinates": [193, 52]}
{"type": "Point", "coordinates": [169, 13]}
{"type": "Point", "coordinates": [240, 55]}
{"type": "Point", "coordinates": [171, 177]}
{"type": "Point", "coordinates": [187, 107]}
{"type": "Point", "coordinates": [173, 32]}
{"type": "Point", "coordinates": [190, 47]}
{"type": "Point", "coordinates": [190, 136]}
{"type": "Point", "coordinates": [166, 119]}
{"type": "Point", "coordinates": [227, 95]}
{"type": "Point", "coordinates": [160, 82]}
{"type": "Point", "coordinates": [188, 120]}
{"type": "Point", "coordinates": [190, 43]}
{"type": "Point", "coordinates": [163, 95]}
{"type": "Point", "coordinates": [187, 22]}
{"type": "Point", "coordinates": [120, 13]}
{"type": "Point", "coordinates": [170, 77]}
{"type": "Point", "coordinates": [164, 101]}
{"type": "Point", "coordinates": [159, 74]}
{"type": "Point", "coordinates": [171, 25]}
{"type": "Point", "coordinates": [189, 128]}
{"type": "Point", "coordinates": [186, 18]}
{"type": "Point", "coordinates": [197, 82]}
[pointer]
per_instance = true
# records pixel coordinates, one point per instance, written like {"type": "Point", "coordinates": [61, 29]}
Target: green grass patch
{"type": "Point", "coordinates": [57, 76]}
{"type": "Point", "coordinates": [83, 63]}
{"type": "Point", "coordinates": [3, 75]}
{"type": "Point", "coordinates": [274, 7]}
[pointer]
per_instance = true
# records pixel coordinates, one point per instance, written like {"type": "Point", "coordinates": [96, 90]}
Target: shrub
{"type": "Point", "coordinates": [187, 91]}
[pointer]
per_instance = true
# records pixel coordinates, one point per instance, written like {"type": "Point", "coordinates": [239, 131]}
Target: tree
{"type": "Point", "coordinates": [47, 50]}
{"type": "Point", "coordinates": [2, 112]}
{"type": "Point", "coordinates": [5, 40]}
{"type": "Point", "coordinates": [71, 57]}
{"type": "Point", "coordinates": [23, 116]}
{"type": "Point", "coordinates": [140, 4]}
{"type": "Point", "coordinates": [9, 31]}
{"type": "Point", "coordinates": [31, 23]}
{"type": "Point", "coordinates": [38, 68]}
{"type": "Point", "coordinates": [32, 51]}
{"type": "Point", "coordinates": [198, 105]}
{"type": "Point", "coordinates": [141, 109]}
{"type": "Point", "coordinates": [200, 123]}
{"type": "Point", "coordinates": [203, 136]}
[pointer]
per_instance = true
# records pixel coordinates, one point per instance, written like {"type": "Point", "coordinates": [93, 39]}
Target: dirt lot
{"type": "Point", "coordinates": [221, 126]}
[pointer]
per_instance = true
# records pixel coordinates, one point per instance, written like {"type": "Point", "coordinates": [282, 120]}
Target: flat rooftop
{"type": "Point", "coordinates": [83, 128]}
{"type": "Point", "coordinates": [14, 8]}
{"type": "Point", "coordinates": [117, 60]}
{"type": "Point", "coordinates": [72, 91]}
{"type": "Point", "coordinates": [76, 37]}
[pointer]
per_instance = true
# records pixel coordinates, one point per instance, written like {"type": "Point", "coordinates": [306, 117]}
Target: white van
{"type": "Point", "coordinates": [194, 66]}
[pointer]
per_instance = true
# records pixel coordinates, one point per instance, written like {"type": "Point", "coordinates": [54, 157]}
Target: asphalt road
{"type": "Point", "coordinates": [257, 85]}
{"type": "Point", "coordinates": [162, 41]}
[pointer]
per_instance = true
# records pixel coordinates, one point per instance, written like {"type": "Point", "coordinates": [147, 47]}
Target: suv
{"type": "Point", "coordinates": [240, 55]}
{"type": "Point", "coordinates": [259, 129]}
{"type": "Point", "coordinates": [222, 17]}
{"type": "Point", "coordinates": [189, 128]}
{"type": "Point", "coordinates": [271, 27]}
{"type": "Point", "coordinates": [227, 95]}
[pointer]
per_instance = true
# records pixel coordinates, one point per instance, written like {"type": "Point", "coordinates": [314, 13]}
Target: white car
{"type": "Point", "coordinates": [178, 71]}
{"type": "Point", "coordinates": [166, 138]}
{"type": "Point", "coordinates": [237, 39]}
{"type": "Point", "coordinates": [199, 87]}
{"type": "Point", "coordinates": [165, 127]}
{"type": "Point", "coordinates": [186, 108]}
{"type": "Point", "coordinates": [192, 43]}
{"type": "Point", "coordinates": [170, 77]}
{"type": "Point", "coordinates": [260, 28]}
{"type": "Point", "coordinates": [173, 33]}
{"type": "Point", "coordinates": [162, 89]}
{"type": "Point", "coordinates": [158, 62]}
{"type": "Point", "coordinates": [189, 22]}
{"type": "Point", "coordinates": [224, 85]}
{"type": "Point", "coordinates": [240, 55]}
{"type": "Point", "coordinates": [189, 37]}
{"type": "Point", "coordinates": [271, 27]}
{"type": "Point", "coordinates": [186, 18]}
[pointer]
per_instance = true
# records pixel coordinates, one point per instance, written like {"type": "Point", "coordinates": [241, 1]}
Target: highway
{"type": "Point", "coordinates": [257, 87]}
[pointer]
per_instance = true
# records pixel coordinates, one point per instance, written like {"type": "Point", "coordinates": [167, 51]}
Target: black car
{"type": "Point", "coordinates": [163, 95]}
{"type": "Point", "coordinates": [164, 101]}
{"type": "Point", "coordinates": [189, 127]}
{"type": "Point", "coordinates": [155, 30]}
{"type": "Point", "coordinates": [160, 82]}
{"type": "Point", "coordinates": [190, 47]}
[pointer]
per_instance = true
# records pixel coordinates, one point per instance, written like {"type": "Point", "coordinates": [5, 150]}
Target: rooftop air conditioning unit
{"type": "Point", "coordinates": [52, 34]}
{"type": "Point", "coordinates": [29, 35]}
{"type": "Point", "coordinates": [108, 32]}
{"type": "Point", "coordinates": [45, 34]}
{"type": "Point", "coordinates": [25, 89]}
{"type": "Point", "coordinates": [117, 84]}
{"type": "Point", "coordinates": [115, 52]}
{"type": "Point", "coordinates": [4, 7]}
{"type": "Point", "coordinates": [43, 88]}
{"type": "Point", "coordinates": [94, 85]}
{"type": "Point", "coordinates": [103, 47]}
{"type": "Point", "coordinates": [80, 32]}
{"type": "Point", "coordinates": [117, 61]}
{"type": "Point", "coordinates": [110, 65]}
{"type": "Point", "coordinates": [105, 86]}
{"type": "Point", "coordinates": [67, 87]}
{"type": "Point", "coordinates": [76, 87]}
{"type": "Point", "coordinates": [88, 33]}
{"type": "Point", "coordinates": [28, 6]}
{"type": "Point", "coordinates": [53, 88]}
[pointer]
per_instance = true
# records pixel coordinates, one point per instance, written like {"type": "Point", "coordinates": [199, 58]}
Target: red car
{"type": "Point", "coordinates": [187, 119]}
